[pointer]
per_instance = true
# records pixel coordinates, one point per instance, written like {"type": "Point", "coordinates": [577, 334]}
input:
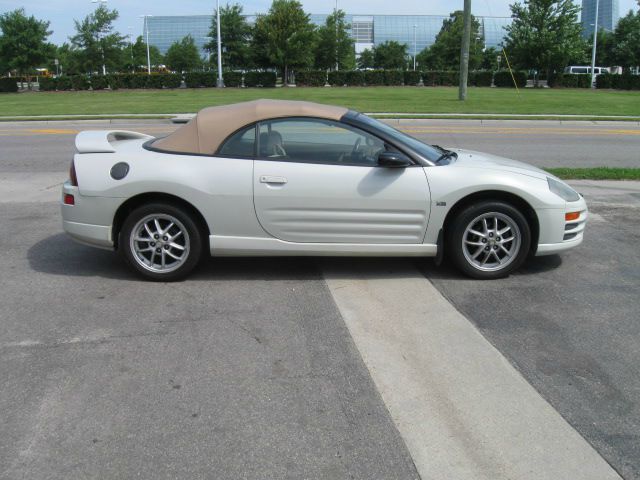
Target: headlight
{"type": "Point", "coordinates": [563, 190]}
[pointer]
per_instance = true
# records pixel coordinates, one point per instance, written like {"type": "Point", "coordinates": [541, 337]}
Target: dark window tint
{"type": "Point", "coordinates": [318, 141]}
{"type": "Point", "coordinates": [240, 144]}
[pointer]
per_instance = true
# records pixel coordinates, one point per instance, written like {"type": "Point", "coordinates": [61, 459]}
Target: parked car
{"type": "Point", "coordinates": [296, 178]}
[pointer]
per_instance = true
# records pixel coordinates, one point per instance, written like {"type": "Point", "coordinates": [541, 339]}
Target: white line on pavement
{"type": "Point", "coordinates": [462, 409]}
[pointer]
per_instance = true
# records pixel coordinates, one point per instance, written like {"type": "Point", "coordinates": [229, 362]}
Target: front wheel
{"type": "Point", "coordinates": [161, 242]}
{"type": "Point", "coordinates": [489, 240]}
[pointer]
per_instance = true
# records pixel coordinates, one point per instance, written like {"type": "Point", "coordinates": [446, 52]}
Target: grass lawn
{"type": "Point", "coordinates": [365, 99]}
{"type": "Point", "coordinates": [598, 173]}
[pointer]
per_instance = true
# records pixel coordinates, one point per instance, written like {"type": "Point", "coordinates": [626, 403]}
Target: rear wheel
{"type": "Point", "coordinates": [489, 240]}
{"type": "Point", "coordinates": [161, 242]}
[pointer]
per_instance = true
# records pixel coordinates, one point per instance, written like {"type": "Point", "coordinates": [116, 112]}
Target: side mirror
{"type": "Point", "coordinates": [393, 160]}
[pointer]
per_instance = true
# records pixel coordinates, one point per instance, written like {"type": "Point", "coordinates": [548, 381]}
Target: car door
{"type": "Point", "coordinates": [318, 181]}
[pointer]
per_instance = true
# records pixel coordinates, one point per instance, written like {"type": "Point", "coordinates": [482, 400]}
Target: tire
{"type": "Point", "coordinates": [482, 251]}
{"type": "Point", "coordinates": [161, 242]}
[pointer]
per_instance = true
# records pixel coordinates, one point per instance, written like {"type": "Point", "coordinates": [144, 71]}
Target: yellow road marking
{"type": "Point", "coordinates": [407, 129]}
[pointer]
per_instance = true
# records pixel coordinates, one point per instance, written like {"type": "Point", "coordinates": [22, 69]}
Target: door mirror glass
{"type": "Point", "coordinates": [393, 160]}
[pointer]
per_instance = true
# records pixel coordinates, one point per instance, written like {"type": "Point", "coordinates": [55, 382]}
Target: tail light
{"type": "Point", "coordinates": [72, 174]}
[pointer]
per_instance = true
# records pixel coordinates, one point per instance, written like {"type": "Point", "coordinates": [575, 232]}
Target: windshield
{"type": "Point", "coordinates": [427, 151]}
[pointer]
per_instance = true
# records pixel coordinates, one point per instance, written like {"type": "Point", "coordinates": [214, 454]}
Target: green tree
{"type": "Point", "coordinates": [235, 33]}
{"type": "Point", "coordinates": [69, 60]}
{"type": "Point", "coordinates": [183, 55]}
{"type": "Point", "coordinates": [490, 59]}
{"type": "Point", "coordinates": [545, 35]}
{"type": "Point", "coordinates": [444, 54]}
{"type": "Point", "coordinates": [139, 51]}
{"type": "Point", "coordinates": [335, 45]}
{"type": "Point", "coordinates": [284, 37]}
{"type": "Point", "coordinates": [96, 41]}
{"type": "Point", "coordinates": [365, 60]}
{"type": "Point", "coordinates": [23, 42]}
{"type": "Point", "coordinates": [390, 55]}
{"type": "Point", "coordinates": [604, 52]}
{"type": "Point", "coordinates": [626, 48]}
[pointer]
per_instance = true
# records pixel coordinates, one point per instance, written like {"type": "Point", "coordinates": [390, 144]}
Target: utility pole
{"type": "Point", "coordinates": [220, 81]}
{"type": "Point", "coordinates": [335, 16]}
{"type": "Point", "coordinates": [104, 67]}
{"type": "Point", "coordinates": [146, 32]}
{"type": "Point", "coordinates": [593, 52]}
{"type": "Point", "coordinates": [414, 47]}
{"type": "Point", "coordinates": [464, 51]}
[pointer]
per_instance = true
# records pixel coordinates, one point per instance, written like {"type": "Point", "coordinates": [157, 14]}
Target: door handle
{"type": "Point", "coordinates": [272, 179]}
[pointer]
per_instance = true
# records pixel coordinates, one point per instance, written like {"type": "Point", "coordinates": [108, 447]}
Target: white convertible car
{"type": "Point", "coordinates": [297, 178]}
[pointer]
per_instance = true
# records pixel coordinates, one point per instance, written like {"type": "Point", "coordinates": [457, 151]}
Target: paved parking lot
{"type": "Point", "coordinates": [244, 371]}
{"type": "Point", "coordinates": [571, 323]}
{"type": "Point", "coordinates": [247, 370]}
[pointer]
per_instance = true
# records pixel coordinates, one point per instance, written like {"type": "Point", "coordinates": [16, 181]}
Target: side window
{"type": "Point", "coordinates": [240, 144]}
{"type": "Point", "coordinates": [317, 141]}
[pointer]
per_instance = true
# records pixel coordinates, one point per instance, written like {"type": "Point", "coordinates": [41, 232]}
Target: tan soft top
{"type": "Point", "coordinates": [212, 125]}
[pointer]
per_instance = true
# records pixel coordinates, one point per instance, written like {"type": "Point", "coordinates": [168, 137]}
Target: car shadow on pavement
{"type": "Point", "coordinates": [59, 255]}
{"type": "Point", "coordinates": [531, 266]}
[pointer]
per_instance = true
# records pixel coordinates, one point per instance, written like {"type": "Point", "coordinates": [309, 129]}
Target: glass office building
{"type": "Point", "coordinates": [608, 15]}
{"type": "Point", "coordinates": [416, 31]}
{"type": "Point", "coordinates": [163, 31]}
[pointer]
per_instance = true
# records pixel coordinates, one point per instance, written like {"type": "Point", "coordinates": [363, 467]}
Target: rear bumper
{"type": "Point", "coordinates": [87, 234]}
{"type": "Point", "coordinates": [89, 220]}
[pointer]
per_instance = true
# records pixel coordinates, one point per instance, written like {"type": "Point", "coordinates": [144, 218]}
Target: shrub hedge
{"type": "Point", "coordinates": [503, 79]}
{"type": "Point", "coordinates": [440, 78]}
{"type": "Point", "coordinates": [311, 78]}
{"type": "Point", "coordinates": [8, 85]}
{"type": "Point", "coordinates": [411, 77]}
{"type": "Point", "coordinates": [481, 78]}
{"type": "Point", "coordinates": [232, 79]}
{"type": "Point", "coordinates": [354, 78]}
{"type": "Point", "coordinates": [318, 78]}
{"type": "Point", "coordinates": [620, 82]}
{"type": "Point", "coordinates": [568, 80]}
{"type": "Point", "coordinates": [337, 78]}
{"type": "Point", "coordinates": [47, 84]}
{"type": "Point", "coordinates": [259, 79]}
{"type": "Point", "coordinates": [374, 77]}
{"type": "Point", "coordinates": [393, 77]}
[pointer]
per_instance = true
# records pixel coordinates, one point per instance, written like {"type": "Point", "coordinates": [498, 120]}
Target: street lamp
{"type": "Point", "coordinates": [220, 81]}
{"type": "Point", "coordinates": [593, 52]}
{"type": "Point", "coordinates": [335, 18]}
{"type": "Point", "coordinates": [208, 39]}
{"type": "Point", "coordinates": [104, 68]}
{"type": "Point", "coordinates": [414, 47]}
{"type": "Point", "coordinates": [133, 67]}
{"type": "Point", "coordinates": [146, 31]}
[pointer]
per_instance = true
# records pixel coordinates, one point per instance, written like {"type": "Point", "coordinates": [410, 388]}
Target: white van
{"type": "Point", "coordinates": [580, 69]}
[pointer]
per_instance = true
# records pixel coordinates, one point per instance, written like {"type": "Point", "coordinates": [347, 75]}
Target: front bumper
{"type": "Point", "coordinates": [558, 234]}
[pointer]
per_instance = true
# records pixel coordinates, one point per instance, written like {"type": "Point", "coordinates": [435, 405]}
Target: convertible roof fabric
{"type": "Point", "coordinates": [211, 126]}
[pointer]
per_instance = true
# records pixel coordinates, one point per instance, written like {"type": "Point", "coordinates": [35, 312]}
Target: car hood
{"type": "Point", "coordinates": [472, 159]}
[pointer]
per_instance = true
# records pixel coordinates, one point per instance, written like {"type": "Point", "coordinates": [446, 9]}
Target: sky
{"type": "Point", "coordinates": [61, 13]}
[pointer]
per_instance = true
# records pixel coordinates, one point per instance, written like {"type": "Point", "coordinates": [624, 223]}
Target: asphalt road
{"type": "Point", "coordinates": [541, 143]}
{"type": "Point", "coordinates": [570, 323]}
{"type": "Point", "coordinates": [247, 370]}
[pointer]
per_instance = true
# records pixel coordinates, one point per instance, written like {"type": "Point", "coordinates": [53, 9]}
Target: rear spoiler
{"type": "Point", "coordinates": [102, 141]}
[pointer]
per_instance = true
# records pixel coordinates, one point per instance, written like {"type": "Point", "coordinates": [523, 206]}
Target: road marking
{"type": "Point", "coordinates": [520, 131]}
{"type": "Point", "coordinates": [586, 132]}
{"type": "Point", "coordinates": [461, 407]}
